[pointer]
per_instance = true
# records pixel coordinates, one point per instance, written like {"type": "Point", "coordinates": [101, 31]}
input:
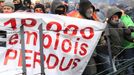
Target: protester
{"type": "Point", "coordinates": [1, 5]}
{"type": "Point", "coordinates": [27, 5]}
{"type": "Point", "coordinates": [47, 10]}
{"type": "Point", "coordinates": [39, 8]}
{"type": "Point", "coordinates": [8, 7]}
{"type": "Point", "coordinates": [115, 35]}
{"type": "Point", "coordinates": [19, 5]}
{"type": "Point", "coordinates": [86, 10]}
{"type": "Point", "coordinates": [128, 43]}
{"type": "Point", "coordinates": [48, 7]}
{"type": "Point", "coordinates": [31, 9]}
{"type": "Point", "coordinates": [57, 7]}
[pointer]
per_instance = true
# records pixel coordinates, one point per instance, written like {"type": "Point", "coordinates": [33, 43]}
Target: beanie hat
{"type": "Point", "coordinates": [40, 6]}
{"type": "Point", "coordinates": [2, 0]}
{"type": "Point", "coordinates": [9, 4]}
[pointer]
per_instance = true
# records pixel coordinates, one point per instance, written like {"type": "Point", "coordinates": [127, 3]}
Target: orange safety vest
{"type": "Point", "coordinates": [75, 14]}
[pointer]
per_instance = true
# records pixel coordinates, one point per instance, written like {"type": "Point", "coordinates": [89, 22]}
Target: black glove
{"type": "Point", "coordinates": [131, 28]}
{"type": "Point", "coordinates": [127, 33]}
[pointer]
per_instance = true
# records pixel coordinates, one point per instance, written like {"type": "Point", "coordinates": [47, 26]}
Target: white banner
{"type": "Point", "coordinates": [68, 43]}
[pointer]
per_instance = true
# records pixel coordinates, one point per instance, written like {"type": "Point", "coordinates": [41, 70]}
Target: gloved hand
{"type": "Point", "coordinates": [131, 28]}
{"type": "Point", "coordinates": [127, 33]}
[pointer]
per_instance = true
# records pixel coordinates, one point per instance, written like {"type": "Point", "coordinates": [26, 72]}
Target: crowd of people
{"type": "Point", "coordinates": [119, 30]}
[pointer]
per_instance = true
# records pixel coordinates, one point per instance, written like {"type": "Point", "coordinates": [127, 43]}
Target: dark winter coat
{"type": "Point", "coordinates": [114, 33]}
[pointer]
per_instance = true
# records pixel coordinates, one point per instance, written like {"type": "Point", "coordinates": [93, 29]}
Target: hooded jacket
{"type": "Point", "coordinates": [114, 33]}
{"type": "Point", "coordinates": [113, 10]}
{"type": "Point", "coordinates": [83, 6]}
{"type": "Point", "coordinates": [55, 4]}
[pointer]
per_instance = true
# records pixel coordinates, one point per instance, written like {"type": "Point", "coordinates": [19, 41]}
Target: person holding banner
{"type": "Point", "coordinates": [39, 8]}
{"type": "Point", "coordinates": [86, 10]}
{"type": "Point", "coordinates": [114, 33]}
{"type": "Point", "coordinates": [128, 43]}
{"type": "Point", "coordinates": [8, 7]}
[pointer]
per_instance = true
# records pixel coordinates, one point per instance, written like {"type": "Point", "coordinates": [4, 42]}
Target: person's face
{"type": "Point", "coordinates": [115, 17]}
{"type": "Point", "coordinates": [27, 4]}
{"type": "Point", "coordinates": [77, 6]}
{"type": "Point", "coordinates": [89, 12]}
{"type": "Point", "coordinates": [47, 10]}
{"type": "Point", "coordinates": [32, 6]}
{"type": "Point", "coordinates": [38, 10]}
{"type": "Point", "coordinates": [114, 20]}
{"type": "Point", "coordinates": [60, 10]}
{"type": "Point", "coordinates": [16, 1]}
{"type": "Point", "coordinates": [1, 3]}
{"type": "Point", "coordinates": [7, 9]}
